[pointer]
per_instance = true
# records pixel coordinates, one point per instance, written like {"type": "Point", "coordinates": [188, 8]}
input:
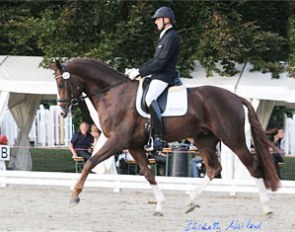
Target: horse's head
{"type": "Point", "coordinates": [68, 91]}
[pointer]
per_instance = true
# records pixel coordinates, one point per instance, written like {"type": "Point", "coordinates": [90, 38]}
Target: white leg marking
{"type": "Point", "coordinates": [199, 189]}
{"type": "Point", "coordinates": [159, 197]}
{"type": "Point", "coordinates": [264, 198]}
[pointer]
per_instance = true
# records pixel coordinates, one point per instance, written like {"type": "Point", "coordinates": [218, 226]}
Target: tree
{"type": "Point", "coordinates": [223, 32]}
{"type": "Point", "coordinates": [122, 33]}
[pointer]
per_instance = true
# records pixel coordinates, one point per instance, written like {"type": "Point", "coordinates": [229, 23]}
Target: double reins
{"type": "Point", "coordinates": [72, 100]}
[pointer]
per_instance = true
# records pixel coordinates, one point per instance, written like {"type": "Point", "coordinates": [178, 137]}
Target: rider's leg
{"type": "Point", "coordinates": [157, 124]}
{"type": "Point", "coordinates": [156, 88]}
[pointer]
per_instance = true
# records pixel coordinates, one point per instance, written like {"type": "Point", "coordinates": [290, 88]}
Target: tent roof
{"type": "Point", "coordinates": [249, 84]}
{"type": "Point", "coordinates": [22, 74]}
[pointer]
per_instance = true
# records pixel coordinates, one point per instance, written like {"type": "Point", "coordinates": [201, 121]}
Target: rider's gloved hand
{"type": "Point", "coordinates": [132, 73]}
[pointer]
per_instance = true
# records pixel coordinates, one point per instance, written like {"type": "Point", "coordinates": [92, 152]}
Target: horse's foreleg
{"type": "Point", "coordinates": [106, 151]}
{"type": "Point", "coordinates": [149, 174]}
{"type": "Point", "coordinates": [159, 198]}
{"type": "Point", "coordinates": [80, 184]}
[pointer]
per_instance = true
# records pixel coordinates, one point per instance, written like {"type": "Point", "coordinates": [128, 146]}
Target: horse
{"type": "Point", "coordinates": [214, 114]}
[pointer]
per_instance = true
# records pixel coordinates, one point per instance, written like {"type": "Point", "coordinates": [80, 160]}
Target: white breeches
{"type": "Point", "coordinates": [155, 90]}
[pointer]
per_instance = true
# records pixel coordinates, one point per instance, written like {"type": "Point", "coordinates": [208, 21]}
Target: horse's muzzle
{"type": "Point", "coordinates": [63, 113]}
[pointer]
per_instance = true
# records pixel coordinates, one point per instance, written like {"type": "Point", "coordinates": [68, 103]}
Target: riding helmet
{"type": "Point", "coordinates": [164, 12]}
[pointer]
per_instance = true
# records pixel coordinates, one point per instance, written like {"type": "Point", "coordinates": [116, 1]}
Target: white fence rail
{"type": "Point", "coordinates": [117, 182]}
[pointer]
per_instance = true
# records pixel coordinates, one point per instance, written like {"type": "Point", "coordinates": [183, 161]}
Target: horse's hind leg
{"type": "Point", "coordinates": [146, 169]}
{"type": "Point", "coordinates": [264, 198]}
{"type": "Point", "coordinates": [254, 169]}
{"type": "Point", "coordinates": [207, 148]}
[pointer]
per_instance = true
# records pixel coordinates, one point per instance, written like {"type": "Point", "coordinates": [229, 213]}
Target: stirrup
{"type": "Point", "coordinates": [150, 145]}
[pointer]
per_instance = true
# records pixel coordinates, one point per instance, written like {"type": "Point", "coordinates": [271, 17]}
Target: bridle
{"type": "Point", "coordinates": [71, 99]}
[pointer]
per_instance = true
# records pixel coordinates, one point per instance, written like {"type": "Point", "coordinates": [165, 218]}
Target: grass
{"type": "Point", "coordinates": [60, 160]}
{"type": "Point", "coordinates": [288, 169]}
{"type": "Point", "coordinates": [52, 160]}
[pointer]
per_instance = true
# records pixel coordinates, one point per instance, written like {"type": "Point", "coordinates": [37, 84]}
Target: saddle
{"type": "Point", "coordinates": [172, 102]}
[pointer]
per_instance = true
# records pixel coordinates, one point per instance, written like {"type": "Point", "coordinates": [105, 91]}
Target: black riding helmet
{"type": "Point", "coordinates": [164, 12]}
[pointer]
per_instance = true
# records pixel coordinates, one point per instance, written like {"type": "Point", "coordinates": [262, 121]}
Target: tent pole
{"type": "Point", "coordinates": [4, 60]}
{"type": "Point", "coordinates": [240, 76]}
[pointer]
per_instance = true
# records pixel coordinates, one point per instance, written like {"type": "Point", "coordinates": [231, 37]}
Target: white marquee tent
{"type": "Point", "coordinates": [23, 84]}
{"type": "Point", "coordinates": [258, 87]}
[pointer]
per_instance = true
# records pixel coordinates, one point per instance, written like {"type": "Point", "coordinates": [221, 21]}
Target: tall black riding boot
{"type": "Point", "coordinates": [157, 125]}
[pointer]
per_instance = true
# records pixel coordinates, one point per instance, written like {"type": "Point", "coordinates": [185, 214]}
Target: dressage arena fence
{"type": "Point", "coordinates": [118, 182]}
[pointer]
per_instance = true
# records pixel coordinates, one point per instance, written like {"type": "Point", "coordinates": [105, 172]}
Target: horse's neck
{"type": "Point", "coordinates": [101, 76]}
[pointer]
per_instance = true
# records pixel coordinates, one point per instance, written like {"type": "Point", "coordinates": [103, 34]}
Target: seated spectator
{"type": "Point", "coordinates": [279, 140]}
{"type": "Point", "coordinates": [94, 131]}
{"type": "Point", "coordinates": [80, 144]}
{"type": "Point", "coordinates": [196, 166]}
{"type": "Point", "coordinates": [277, 156]}
{"type": "Point", "coordinates": [161, 159]}
{"type": "Point", "coordinates": [122, 163]}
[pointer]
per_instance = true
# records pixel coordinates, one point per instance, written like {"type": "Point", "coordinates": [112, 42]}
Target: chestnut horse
{"type": "Point", "coordinates": [214, 114]}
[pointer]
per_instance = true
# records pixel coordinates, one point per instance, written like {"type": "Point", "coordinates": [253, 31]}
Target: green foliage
{"type": "Point", "coordinates": [121, 33]}
{"type": "Point", "coordinates": [291, 66]}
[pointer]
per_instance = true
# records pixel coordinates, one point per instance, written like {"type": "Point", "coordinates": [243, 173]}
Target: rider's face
{"type": "Point", "coordinates": [160, 23]}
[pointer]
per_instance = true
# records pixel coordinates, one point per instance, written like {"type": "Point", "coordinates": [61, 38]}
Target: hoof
{"type": "Point", "coordinates": [191, 207]}
{"type": "Point", "coordinates": [158, 214]}
{"type": "Point", "coordinates": [268, 214]}
{"type": "Point", "coordinates": [74, 202]}
{"type": "Point", "coordinates": [152, 202]}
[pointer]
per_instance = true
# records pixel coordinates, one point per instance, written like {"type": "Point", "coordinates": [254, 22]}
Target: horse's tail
{"type": "Point", "coordinates": [262, 145]}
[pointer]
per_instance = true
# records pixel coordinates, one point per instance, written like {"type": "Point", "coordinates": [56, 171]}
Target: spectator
{"type": "Point", "coordinates": [122, 163]}
{"type": "Point", "coordinates": [279, 140]}
{"type": "Point", "coordinates": [161, 160]}
{"type": "Point", "coordinates": [196, 161]}
{"type": "Point", "coordinates": [95, 133]}
{"type": "Point", "coordinates": [81, 141]}
{"type": "Point", "coordinates": [277, 156]}
{"type": "Point", "coordinates": [196, 166]}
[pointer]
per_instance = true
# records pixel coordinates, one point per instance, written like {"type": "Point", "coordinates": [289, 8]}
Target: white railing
{"type": "Point", "coordinates": [117, 182]}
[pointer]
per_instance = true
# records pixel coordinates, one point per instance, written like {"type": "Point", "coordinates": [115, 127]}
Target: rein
{"type": "Point", "coordinates": [74, 101]}
{"type": "Point", "coordinates": [100, 91]}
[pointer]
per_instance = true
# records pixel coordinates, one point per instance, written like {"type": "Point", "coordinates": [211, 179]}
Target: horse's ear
{"type": "Point", "coordinates": [58, 64]}
{"type": "Point", "coordinates": [52, 66]}
{"type": "Point", "coordinates": [55, 65]}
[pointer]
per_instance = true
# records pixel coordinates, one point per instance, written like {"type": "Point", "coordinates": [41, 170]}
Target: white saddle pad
{"type": "Point", "coordinates": [176, 101]}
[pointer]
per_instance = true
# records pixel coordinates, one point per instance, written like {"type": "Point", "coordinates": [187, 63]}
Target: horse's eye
{"type": "Point", "coordinates": [61, 85]}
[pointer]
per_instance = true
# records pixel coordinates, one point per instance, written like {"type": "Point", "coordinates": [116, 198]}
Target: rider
{"type": "Point", "coordinates": [162, 69]}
